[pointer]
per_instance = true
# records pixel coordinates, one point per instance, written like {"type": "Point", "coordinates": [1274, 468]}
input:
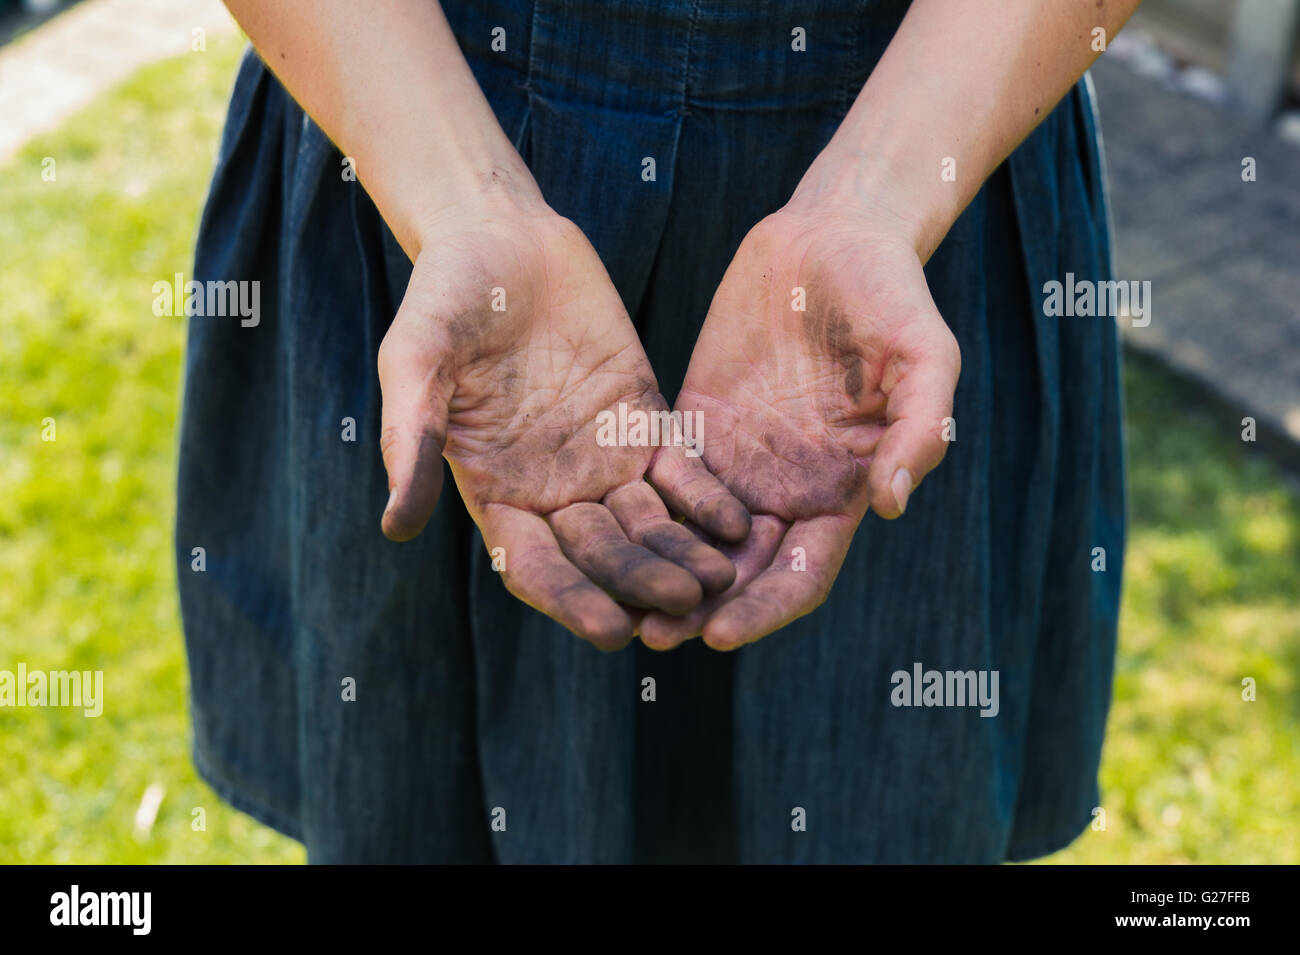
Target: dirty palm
{"type": "Point", "coordinates": [514, 393]}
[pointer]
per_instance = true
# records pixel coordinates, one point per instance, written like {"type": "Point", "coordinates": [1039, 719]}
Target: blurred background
{"type": "Point", "coordinates": [110, 112]}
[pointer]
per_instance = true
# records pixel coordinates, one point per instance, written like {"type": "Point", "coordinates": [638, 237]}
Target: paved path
{"type": "Point", "coordinates": [1223, 255]}
{"type": "Point", "coordinates": [62, 65]}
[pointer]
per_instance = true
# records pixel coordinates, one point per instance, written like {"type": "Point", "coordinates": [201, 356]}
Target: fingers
{"type": "Point", "coordinates": [415, 391]}
{"type": "Point", "coordinates": [660, 631]}
{"type": "Point", "coordinates": [796, 582]}
{"type": "Point", "coordinates": [645, 520]}
{"type": "Point", "coordinates": [535, 571]}
{"type": "Point", "coordinates": [690, 489]}
{"type": "Point", "coordinates": [592, 539]}
{"type": "Point", "coordinates": [920, 386]}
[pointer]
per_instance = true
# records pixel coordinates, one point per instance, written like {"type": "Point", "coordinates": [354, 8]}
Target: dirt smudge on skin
{"type": "Point", "coordinates": [465, 333]}
{"type": "Point", "coordinates": [852, 366]}
{"type": "Point", "coordinates": [827, 327]}
{"type": "Point", "coordinates": [510, 378]}
{"type": "Point", "coordinates": [793, 475]}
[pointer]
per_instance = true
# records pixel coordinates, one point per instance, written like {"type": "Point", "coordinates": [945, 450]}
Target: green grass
{"type": "Point", "coordinates": [86, 578]}
{"type": "Point", "coordinates": [1191, 772]}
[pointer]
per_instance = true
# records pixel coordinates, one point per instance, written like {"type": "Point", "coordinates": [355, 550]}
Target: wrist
{"type": "Point", "coordinates": [845, 184]}
{"type": "Point", "coordinates": [488, 192]}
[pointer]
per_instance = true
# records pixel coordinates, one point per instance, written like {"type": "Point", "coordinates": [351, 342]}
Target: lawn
{"type": "Point", "coordinates": [86, 578]}
{"type": "Point", "coordinates": [1191, 773]}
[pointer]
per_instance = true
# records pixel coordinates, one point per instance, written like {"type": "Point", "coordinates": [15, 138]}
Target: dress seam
{"type": "Point", "coordinates": [688, 61]}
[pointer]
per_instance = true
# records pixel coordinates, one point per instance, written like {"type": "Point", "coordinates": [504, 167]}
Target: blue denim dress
{"type": "Point", "coordinates": [387, 702]}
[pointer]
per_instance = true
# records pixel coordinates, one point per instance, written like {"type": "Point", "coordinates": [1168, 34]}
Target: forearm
{"type": "Point", "coordinates": [389, 85]}
{"type": "Point", "coordinates": [959, 87]}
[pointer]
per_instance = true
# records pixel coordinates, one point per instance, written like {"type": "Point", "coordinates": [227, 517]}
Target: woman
{"type": "Point", "coordinates": [798, 227]}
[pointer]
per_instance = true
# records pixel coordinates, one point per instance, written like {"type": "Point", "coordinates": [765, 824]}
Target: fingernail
{"type": "Point", "coordinates": [901, 486]}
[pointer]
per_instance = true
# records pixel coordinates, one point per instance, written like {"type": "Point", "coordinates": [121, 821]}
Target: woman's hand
{"type": "Point", "coordinates": [509, 343]}
{"type": "Point", "coordinates": [510, 392]}
{"type": "Point", "coordinates": [826, 412]}
{"type": "Point", "coordinates": [824, 373]}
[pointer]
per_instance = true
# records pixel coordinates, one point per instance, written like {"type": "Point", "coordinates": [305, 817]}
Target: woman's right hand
{"type": "Point", "coordinates": [510, 396]}
{"type": "Point", "coordinates": [509, 342]}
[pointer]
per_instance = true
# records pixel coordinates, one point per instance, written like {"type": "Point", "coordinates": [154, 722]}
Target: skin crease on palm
{"type": "Point", "coordinates": [511, 396]}
{"type": "Point", "coordinates": [817, 414]}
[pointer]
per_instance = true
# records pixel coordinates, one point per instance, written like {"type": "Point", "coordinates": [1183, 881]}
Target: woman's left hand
{"type": "Point", "coordinates": [823, 373]}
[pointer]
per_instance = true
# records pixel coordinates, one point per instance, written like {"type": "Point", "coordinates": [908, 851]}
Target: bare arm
{"type": "Point", "coordinates": [966, 79]}
{"type": "Point", "coordinates": [389, 85]}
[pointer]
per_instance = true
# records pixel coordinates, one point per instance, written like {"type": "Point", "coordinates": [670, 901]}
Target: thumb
{"type": "Point", "coordinates": [416, 385]}
{"type": "Point", "coordinates": [919, 384]}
